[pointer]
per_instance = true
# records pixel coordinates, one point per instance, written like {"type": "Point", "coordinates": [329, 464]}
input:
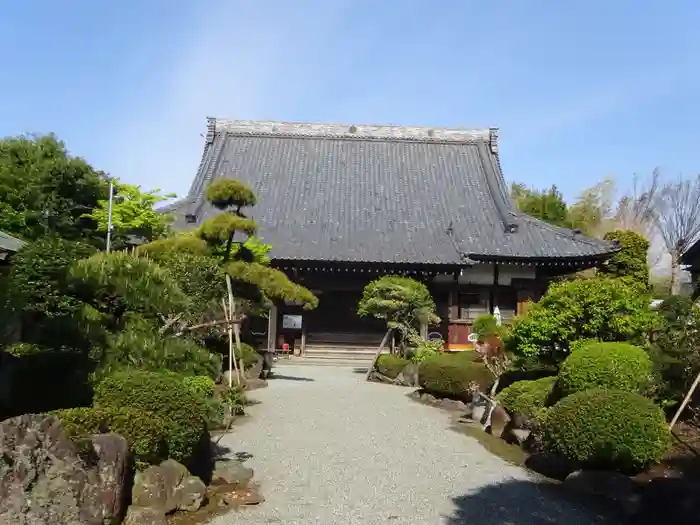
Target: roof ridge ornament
{"type": "Point", "coordinates": [493, 140]}
{"type": "Point", "coordinates": [369, 131]}
{"type": "Point", "coordinates": [211, 130]}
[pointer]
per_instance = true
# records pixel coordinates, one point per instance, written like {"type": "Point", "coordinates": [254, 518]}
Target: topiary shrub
{"type": "Point", "coordinates": [605, 365]}
{"type": "Point", "coordinates": [200, 385]}
{"type": "Point", "coordinates": [608, 429]}
{"type": "Point", "coordinates": [526, 397]}
{"type": "Point", "coordinates": [165, 395]}
{"type": "Point", "coordinates": [204, 388]}
{"type": "Point", "coordinates": [250, 355]}
{"type": "Point", "coordinates": [453, 377]}
{"type": "Point", "coordinates": [390, 365]}
{"type": "Point", "coordinates": [145, 431]}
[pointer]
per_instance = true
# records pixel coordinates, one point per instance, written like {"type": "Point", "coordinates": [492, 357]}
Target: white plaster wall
{"type": "Point", "coordinates": [507, 272]}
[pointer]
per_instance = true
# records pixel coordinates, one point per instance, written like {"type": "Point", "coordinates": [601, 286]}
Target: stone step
{"type": "Point", "coordinates": [355, 356]}
{"type": "Point", "coordinates": [315, 361]}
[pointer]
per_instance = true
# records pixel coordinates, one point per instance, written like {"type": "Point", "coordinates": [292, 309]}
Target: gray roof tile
{"type": "Point", "coordinates": [333, 192]}
{"type": "Point", "coordinates": [9, 243]}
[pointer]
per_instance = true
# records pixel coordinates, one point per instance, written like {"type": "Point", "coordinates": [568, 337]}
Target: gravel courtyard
{"type": "Point", "coordinates": [329, 448]}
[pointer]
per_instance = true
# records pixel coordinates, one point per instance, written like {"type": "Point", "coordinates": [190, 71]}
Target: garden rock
{"type": "Point", "coordinates": [499, 421]}
{"type": "Point", "coordinates": [408, 376]}
{"type": "Point", "coordinates": [232, 472]}
{"type": "Point", "coordinates": [515, 436]}
{"type": "Point", "coordinates": [168, 487]}
{"type": "Point", "coordinates": [190, 494]}
{"type": "Point", "coordinates": [427, 398]}
{"type": "Point", "coordinates": [255, 371]}
{"type": "Point", "coordinates": [113, 469]}
{"type": "Point", "coordinates": [47, 479]}
{"type": "Point", "coordinates": [607, 484]}
{"type": "Point", "coordinates": [144, 516]}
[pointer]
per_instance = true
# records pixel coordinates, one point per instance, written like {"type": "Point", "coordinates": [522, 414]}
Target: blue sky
{"type": "Point", "coordinates": [579, 89]}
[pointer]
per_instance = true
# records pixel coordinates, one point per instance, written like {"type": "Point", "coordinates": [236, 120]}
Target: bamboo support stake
{"type": "Point", "coordinates": [685, 402]}
{"type": "Point", "coordinates": [236, 330]}
{"type": "Point", "coordinates": [379, 351]}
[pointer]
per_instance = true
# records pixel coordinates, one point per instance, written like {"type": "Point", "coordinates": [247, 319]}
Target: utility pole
{"type": "Point", "coordinates": [109, 215]}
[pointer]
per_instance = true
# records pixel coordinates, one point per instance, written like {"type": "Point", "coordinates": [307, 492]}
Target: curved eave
{"type": "Point", "coordinates": [577, 261]}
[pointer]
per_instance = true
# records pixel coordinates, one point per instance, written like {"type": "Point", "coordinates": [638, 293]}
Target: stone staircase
{"type": "Point", "coordinates": [340, 349]}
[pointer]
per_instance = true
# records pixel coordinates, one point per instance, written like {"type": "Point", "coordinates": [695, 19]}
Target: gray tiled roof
{"type": "Point", "coordinates": [9, 243]}
{"type": "Point", "coordinates": [377, 194]}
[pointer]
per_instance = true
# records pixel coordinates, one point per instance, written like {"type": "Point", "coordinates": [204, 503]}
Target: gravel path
{"type": "Point", "coordinates": [329, 448]}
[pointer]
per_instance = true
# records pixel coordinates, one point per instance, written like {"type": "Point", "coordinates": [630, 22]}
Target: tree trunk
{"type": "Point", "coordinates": [675, 272]}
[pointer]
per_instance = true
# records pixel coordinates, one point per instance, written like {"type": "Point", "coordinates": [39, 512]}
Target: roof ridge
{"type": "Point", "coordinates": [562, 232]}
{"type": "Point", "coordinates": [340, 130]}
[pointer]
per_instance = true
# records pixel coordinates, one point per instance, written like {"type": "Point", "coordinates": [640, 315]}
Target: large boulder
{"type": "Point", "coordinates": [232, 472]}
{"type": "Point", "coordinates": [144, 516]}
{"type": "Point", "coordinates": [408, 376]}
{"type": "Point", "coordinates": [168, 487]}
{"type": "Point", "coordinates": [47, 479]}
{"type": "Point", "coordinates": [113, 469]}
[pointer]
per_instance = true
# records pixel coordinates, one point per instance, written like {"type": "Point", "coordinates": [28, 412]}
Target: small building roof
{"type": "Point", "coordinates": [8, 243]}
{"type": "Point", "coordinates": [369, 193]}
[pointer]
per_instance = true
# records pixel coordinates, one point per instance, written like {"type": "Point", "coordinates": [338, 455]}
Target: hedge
{"type": "Point", "coordinates": [145, 432]}
{"type": "Point", "coordinates": [391, 365]}
{"type": "Point", "coordinates": [165, 395]}
{"type": "Point", "coordinates": [452, 376]}
{"type": "Point", "coordinates": [605, 365]}
{"type": "Point", "coordinates": [607, 429]}
{"type": "Point", "coordinates": [526, 398]}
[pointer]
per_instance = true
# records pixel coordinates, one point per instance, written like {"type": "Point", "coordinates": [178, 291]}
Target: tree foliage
{"type": "Point", "coordinates": [403, 303]}
{"type": "Point", "coordinates": [547, 205]}
{"type": "Point", "coordinates": [600, 309]}
{"type": "Point", "coordinates": [44, 191]}
{"type": "Point", "coordinates": [676, 348]}
{"type": "Point", "coordinates": [253, 280]}
{"type": "Point", "coordinates": [630, 262]}
{"type": "Point", "coordinates": [39, 296]}
{"type": "Point", "coordinates": [133, 213]}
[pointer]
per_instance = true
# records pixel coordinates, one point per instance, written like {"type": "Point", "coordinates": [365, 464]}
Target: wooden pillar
{"type": "Point", "coordinates": [272, 329]}
{"type": "Point", "coordinates": [492, 289]}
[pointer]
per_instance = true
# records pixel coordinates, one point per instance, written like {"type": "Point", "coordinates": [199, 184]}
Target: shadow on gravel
{"type": "Point", "coordinates": [283, 377]}
{"type": "Point", "coordinates": [530, 503]}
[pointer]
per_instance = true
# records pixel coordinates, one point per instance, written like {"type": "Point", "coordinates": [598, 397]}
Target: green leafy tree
{"type": "Point", "coordinates": [547, 205]}
{"type": "Point", "coordinates": [44, 191]}
{"type": "Point", "coordinates": [403, 303]}
{"type": "Point", "coordinates": [133, 213]}
{"type": "Point", "coordinates": [252, 280]}
{"type": "Point", "coordinates": [600, 309]}
{"type": "Point", "coordinates": [630, 263]}
{"type": "Point", "coordinates": [40, 302]}
{"type": "Point", "coordinates": [676, 349]}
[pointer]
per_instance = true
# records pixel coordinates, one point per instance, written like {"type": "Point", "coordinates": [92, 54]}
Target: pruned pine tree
{"type": "Point", "coordinates": [249, 283]}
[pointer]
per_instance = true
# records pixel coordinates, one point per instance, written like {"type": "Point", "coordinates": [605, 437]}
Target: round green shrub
{"type": "Point", "coordinates": [605, 365]}
{"type": "Point", "coordinates": [391, 365]}
{"type": "Point", "coordinates": [609, 429]}
{"type": "Point", "coordinates": [165, 395]}
{"type": "Point", "coordinates": [250, 355]}
{"type": "Point", "coordinates": [200, 385]}
{"type": "Point", "coordinates": [145, 432]}
{"type": "Point", "coordinates": [451, 376]}
{"type": "Point", "coordinates": [526, 397]}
